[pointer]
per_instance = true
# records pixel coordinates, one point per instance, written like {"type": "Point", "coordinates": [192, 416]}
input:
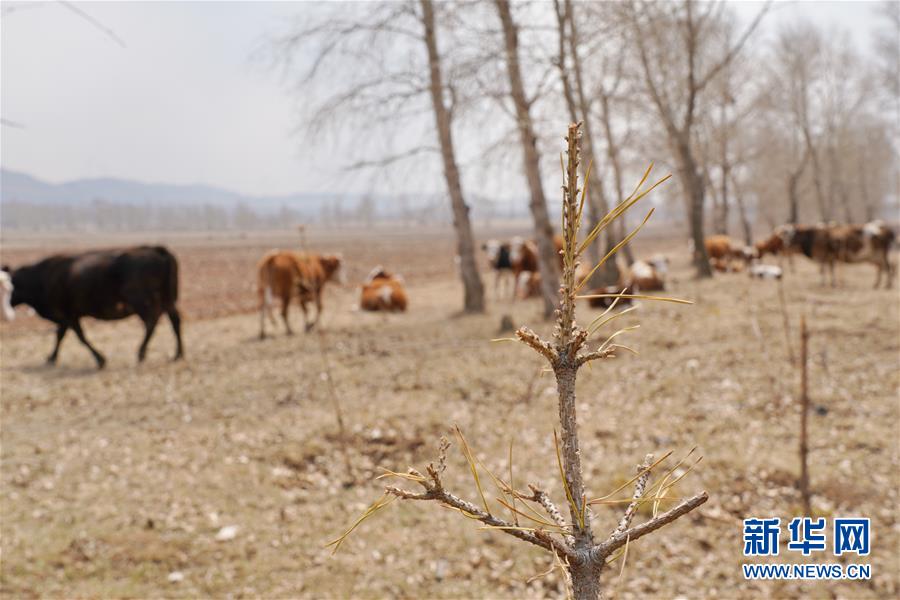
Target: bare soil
{"type": "Point", "coordinates": [113, 481]}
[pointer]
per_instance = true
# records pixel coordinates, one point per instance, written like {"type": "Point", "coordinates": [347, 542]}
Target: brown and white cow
{"type": "Point", "coordinates": [829, 244]}
{"type": "Point", "coordinates": [383, 291]}
{"type": "Point", "coordinates": [602, 297]}
{"type": "Point", "coordinates": [648, 275]}
{"type": "Point", "coordinates": [283, 274]}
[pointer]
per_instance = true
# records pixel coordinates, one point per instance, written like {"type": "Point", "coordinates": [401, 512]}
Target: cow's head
{"type": "Point", "coordinates": [7, 313]}
{"type": "Point", "coordinates": [492, 250]}
{"type": "Point", "coordinates": [378, 272]}
{"type": "Point", "coordinates": [786, 233]}
{"type": "Point", "coordinates": [660, 262]}
{"type": "Point", "coordinates": [331, 264]}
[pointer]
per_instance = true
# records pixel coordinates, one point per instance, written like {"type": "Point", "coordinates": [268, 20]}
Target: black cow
{"type": "Point", "coordinates": [499, 257]}
{"type": "Point", "coordinates": [104, 284]}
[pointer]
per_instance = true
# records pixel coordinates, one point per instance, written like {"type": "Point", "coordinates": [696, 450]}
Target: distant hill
{"type": "Point", "coordinates": [21, 187]}
{"type": "Point", "coordinates": [27, 203]}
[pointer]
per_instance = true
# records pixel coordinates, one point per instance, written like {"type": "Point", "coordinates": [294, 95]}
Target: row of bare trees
{"type": "Point", "coordinates": [759, 131]}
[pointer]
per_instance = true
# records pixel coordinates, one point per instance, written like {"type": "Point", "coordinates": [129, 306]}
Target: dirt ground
{"type": "Point", "coordinates": [118, 483]}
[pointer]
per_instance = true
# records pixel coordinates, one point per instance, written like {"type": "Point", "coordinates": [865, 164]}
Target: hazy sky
{"type": "Point", "coordinates": [183, 102]}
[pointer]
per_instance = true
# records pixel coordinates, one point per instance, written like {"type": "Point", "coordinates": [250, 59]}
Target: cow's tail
{"type": "Point", "coordinates": [266, 301]}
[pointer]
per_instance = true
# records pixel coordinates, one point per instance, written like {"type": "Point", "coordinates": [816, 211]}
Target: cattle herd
{"type": "Point", "coordinates": [143, 281]}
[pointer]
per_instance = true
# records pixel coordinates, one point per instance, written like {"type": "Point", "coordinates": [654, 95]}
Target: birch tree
{"type": "Point", "coordinates": [548, 259]}
{"type": "Point", "coordinates": [380, 92]}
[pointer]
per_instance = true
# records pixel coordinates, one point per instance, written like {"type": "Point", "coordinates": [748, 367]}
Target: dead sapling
{"type": "Point", "coordinates": [533, 515]}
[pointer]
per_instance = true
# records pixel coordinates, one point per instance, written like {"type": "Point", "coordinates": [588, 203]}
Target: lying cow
{"type": "Point", "coordinates": [283, 274]}
{"type": "Point", "coordinates": [383, 291]}
{"type": "Point", "coordinates": [726, 256]}
{"type": "Point", "coordinates": [760, 271]}
{"type": "Point", "coordinates": [603, 297]}
{"type": "Point", "coordinates": [648, 275]}
{"type": "Point", "coordinates": [104, 284]}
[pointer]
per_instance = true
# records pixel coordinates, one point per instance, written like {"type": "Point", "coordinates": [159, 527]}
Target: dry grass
{"type": "Point", "coordinates": [113, 480]}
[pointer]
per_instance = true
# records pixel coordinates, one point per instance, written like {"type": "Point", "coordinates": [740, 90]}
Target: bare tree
{"type": "Point", "coordinates": [675, 42]}
{"type": "Point", "coordinates": [379, 98]}
{"type": "Point", "coordinates": [547, 257]}
{"type": "Point", "coordinates": [572, 77]}
{"type": "Point", "coordinates": [474, 289]}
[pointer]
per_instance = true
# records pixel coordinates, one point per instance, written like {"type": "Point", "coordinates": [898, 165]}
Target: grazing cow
{"type": "Point", "coordinates": [383, 291]}
{"type": "Point", "coordinates": [865, 243]}
{"type": "Point", "coordinates": [523, 256]}
{"type": "Point", "coordinates": [104, 284]}
{"type": "Point", "coordinates": [828, 244]}
{"type": "Point", "coordinates": [283, 273]}
{"type": "Point", "coordinates": [498, 254]}
{"type": "Point", "coordinates": [814, 242]}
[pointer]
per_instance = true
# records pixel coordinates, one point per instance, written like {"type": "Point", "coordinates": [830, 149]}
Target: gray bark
{"type": "Point", "coordinates": [597, 205]}
{"type": "Point", "coordinates": [610, 271]}
{"type": "Point", "coordinates": [547, 256]}
{"type": "Point", "coordinates": [473, 301]}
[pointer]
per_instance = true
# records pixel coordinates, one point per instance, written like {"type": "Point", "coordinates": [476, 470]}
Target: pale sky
{"type": "Point", "coordinates": [183, 102]}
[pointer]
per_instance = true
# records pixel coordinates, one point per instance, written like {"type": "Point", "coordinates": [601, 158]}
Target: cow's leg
{"type": "Point", "coordinates": [76, 326]}
{"type": "Point", "coordinates": [175, 319]}
{"type": "Point", "coordinates": [891, 271]}
{"type": "Point", "coordinates": [285, 304]}
{"type": "Point", "coordinates": [150, 320]}
{"type": "Point", "coordinates": [60, 334]}
{"type": "Point", "coordinates": [262, 322]}
{"type": "Point", "coordinates": [305, 310]}
{"type": "Point", "coordinates": [318, 295]}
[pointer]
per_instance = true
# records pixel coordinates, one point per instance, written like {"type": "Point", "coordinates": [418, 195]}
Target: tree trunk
{"type": "Point", "coordinates": [597, 206]}
{"type": "Point", "coordinates": [746, 226]}
{"type": "Point", "coordinates": [692, 185]}
{"type": "Point", "coordinates": [548, 259]}
{"type": "Point", "coordinates": [824, 213]}
{"type": "Point", "coordinates": [609, 274]}
{"type": "Point", "coordinates": [612, 151]}
{"type": "Point", "coordinates": [793, 196]}
{"type": "Point", "coordinates": [473, 301]}
{"type": "Point", "coordinates": [723, 206]}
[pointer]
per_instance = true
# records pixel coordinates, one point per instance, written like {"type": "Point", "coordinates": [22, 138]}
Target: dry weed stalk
{"type": "Point", "coordinates": [534, 517]}
{"type": "Point", "coordinates": [803, 483]}
{"type": "Point", "coordinates": [336, 404]}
